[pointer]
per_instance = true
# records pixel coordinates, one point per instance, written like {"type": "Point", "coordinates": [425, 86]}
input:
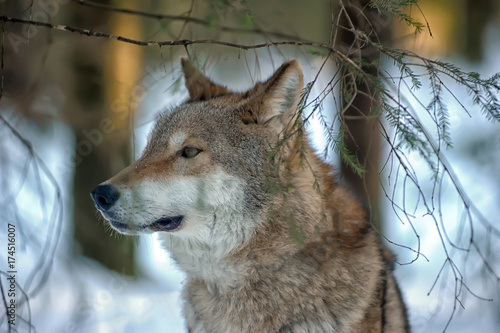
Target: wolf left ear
{"type": "Point", "coordinates": [199, 86]}
{"type": "Point", "coordinates": [280, 96]}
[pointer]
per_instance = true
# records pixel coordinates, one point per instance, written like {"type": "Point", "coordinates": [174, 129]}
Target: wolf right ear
{"type": "Point", "coordinates": [279, 97]}
{"type": "Point", "coordinates": [199, 86]}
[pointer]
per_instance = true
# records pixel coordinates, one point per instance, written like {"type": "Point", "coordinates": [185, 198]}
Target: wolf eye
{"type": "Point", "coordinates": [190, 152]}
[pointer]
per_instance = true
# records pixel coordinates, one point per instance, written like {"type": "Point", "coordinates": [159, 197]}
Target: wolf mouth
{"type": "Point", "coordinates": [118, 225]}
{"type": "Point", "coordinates": [167, 223]}
{"type": "Point", "coordinates": [163, 224]}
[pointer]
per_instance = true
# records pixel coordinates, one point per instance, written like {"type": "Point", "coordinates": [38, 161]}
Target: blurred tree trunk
{"type": "Point", "coordinates": [100, 115]}
{"type": "Point", "coordinates": [477, 16]}
{"type": "Point", "coordinates": [361, 129]}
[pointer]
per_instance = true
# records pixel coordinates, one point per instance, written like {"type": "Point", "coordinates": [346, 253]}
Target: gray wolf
{"type": "Point", "coordinates": [269, 241]}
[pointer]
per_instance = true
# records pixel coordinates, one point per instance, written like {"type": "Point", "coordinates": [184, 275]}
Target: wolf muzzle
{"type": "Point", "coordinates": [105, 197]}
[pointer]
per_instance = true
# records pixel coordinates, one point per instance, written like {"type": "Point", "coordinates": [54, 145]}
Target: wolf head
{"type": "Point", "coordinates": [205, 169]}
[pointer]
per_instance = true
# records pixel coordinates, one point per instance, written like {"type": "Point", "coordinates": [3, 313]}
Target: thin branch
{"type": "Point", "coordinates": [184, 18]}
{"type": "Point", "coordinates": [182, 42]}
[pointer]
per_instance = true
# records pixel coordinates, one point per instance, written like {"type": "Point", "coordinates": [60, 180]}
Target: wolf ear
{"type": "Point", "coordinates": [199, 86]}
{"type": "Point", "coordinates": [280, 96]}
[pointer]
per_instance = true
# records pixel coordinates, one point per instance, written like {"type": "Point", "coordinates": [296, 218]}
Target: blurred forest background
{"type": "Point", "coordinates": [76, 107]}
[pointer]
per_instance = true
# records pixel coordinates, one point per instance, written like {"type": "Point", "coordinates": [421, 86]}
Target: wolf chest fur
{"type": "Point", "coordinates": [229, 180]}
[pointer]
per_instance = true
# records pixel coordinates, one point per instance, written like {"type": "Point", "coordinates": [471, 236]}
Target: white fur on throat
{"type": "Point", "coordinates": [201, 246]}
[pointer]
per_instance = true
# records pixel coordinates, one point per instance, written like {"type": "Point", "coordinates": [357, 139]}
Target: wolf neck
{"type": "Point", "coordinates": [207, 257]}
{"type": "Point", "coordinates": [229, 261]}
{"type": "Point", "coordinates": [202, 261]}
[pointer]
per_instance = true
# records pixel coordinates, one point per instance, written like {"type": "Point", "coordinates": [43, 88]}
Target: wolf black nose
{"type": "Point", "coordinates": [104, 196]}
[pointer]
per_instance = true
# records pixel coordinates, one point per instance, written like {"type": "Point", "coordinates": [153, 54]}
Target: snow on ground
{"type": "Point", "coordinates": [82, 296]}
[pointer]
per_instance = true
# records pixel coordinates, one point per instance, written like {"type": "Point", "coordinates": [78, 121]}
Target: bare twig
{"type": "Point", "coordinates": [184, 18]}
{"type": "Point", "coordinates": [182, 42]}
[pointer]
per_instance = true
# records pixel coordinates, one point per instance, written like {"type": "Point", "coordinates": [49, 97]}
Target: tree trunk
{"type": "Point", "coordinates": [361, 128]}
{"type": "Point", "coordinates": [100, 115]}
{"type": "Point", "coordinates": [477, 17]}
